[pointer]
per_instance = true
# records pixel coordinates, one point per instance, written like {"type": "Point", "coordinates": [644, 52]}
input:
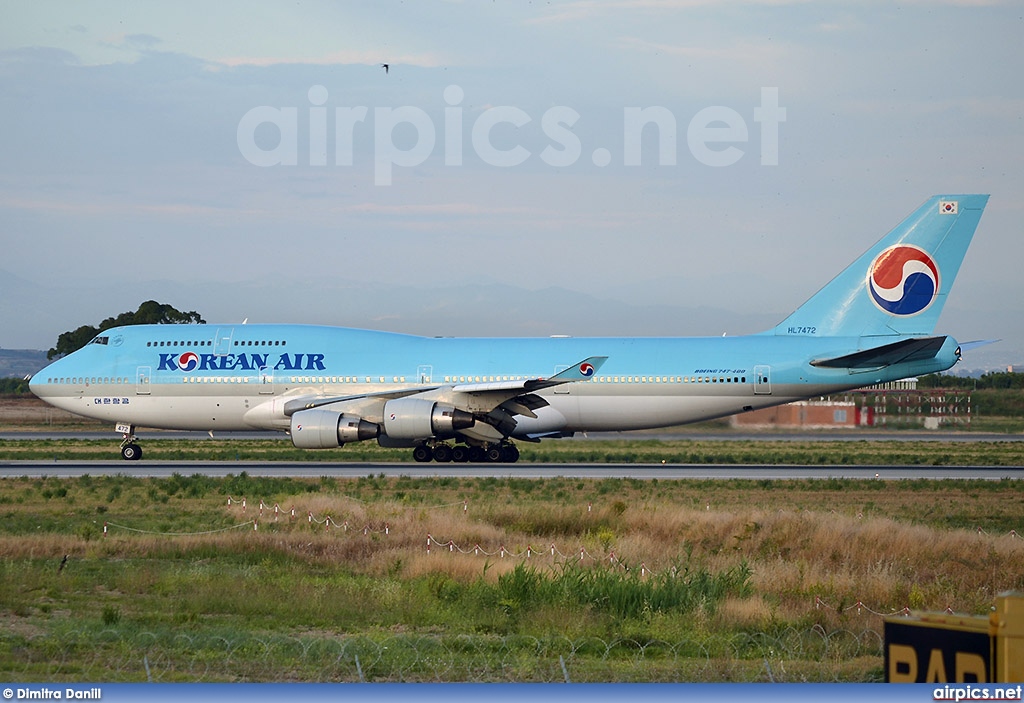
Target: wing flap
{"type": "Point", "coordinates": [524, 405]}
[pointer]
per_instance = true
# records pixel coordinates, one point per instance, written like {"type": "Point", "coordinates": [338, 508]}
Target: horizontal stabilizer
{"type": "Point", "coordinates": [969, 346]}
{"type": "Point", "coordinates": [916, 349]}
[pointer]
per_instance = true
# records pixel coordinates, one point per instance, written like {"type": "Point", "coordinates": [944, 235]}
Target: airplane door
{"type": "Point", "coordinates": [266, 380]}
{"type": "Point", "coordinates": [424, 373]}
{"type": "Point", "coordinates": [222, 346]}
{"type": "Point", "coordinates": [142, 378]}
{"type": "Point", "coordinates": [762, 380]}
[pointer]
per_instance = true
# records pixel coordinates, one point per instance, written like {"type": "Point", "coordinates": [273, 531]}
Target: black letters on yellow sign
{"type": "Point", "coordinates": [927, 653]}
{"type": "Point", "coordinates": [968, 667]}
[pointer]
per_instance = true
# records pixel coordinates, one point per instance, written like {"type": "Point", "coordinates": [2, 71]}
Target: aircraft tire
{"type": "Point", "coordinates": [442, 454]}
{"type": "Point", "coordinates": [460, 454]}
{"type": "Point", "coordinates": [422, 454]}
{"type": "Point", "coordinates": [131, 452]}
{"type": "Point", "coordinates": [510, 454]}
{"type": "Point", "coordinates": [476, 454]}
{"type": "Point", "coordinates": [495, 454]}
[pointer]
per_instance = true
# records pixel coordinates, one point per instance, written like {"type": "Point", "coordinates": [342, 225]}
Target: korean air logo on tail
{"type": "Point", "coordinates": [903, 280]}
{"type": "Point", "coordinates": [586, 369]}
{"type": "Point", "coordinates": [189, 361]}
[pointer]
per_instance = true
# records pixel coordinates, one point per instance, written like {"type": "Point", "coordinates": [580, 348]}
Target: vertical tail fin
{"type": "Point", "coordinates": [897, 287]}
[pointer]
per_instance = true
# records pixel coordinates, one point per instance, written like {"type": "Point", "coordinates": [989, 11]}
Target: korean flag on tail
{"type": "Point", "coordinates": [947, 207]}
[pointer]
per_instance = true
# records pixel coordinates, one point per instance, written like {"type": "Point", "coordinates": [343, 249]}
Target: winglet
{"type": "Point", "coordinates": [582, 371]}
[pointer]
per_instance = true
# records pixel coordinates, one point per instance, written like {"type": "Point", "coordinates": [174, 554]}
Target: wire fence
{"type": "Point", "coordinates": [114, 655]}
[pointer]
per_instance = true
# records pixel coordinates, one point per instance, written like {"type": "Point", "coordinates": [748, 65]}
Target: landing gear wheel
{"type": "Point", "coordinates": [422, 453]}
{"type": "Point", "coordinates": [131, 452]}
{"type": "Point", "coordinates": [442, 453]}
{"type": "Point", "coordinates": [510, 454]}
{"type": "Point", "coordinates": [476, 454]}
{"type": "Point", "coordinates": [494, 454]}
{"type": "Point", "coordinates": [460, 454]}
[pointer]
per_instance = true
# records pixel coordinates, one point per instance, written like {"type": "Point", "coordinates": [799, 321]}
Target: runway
{"type": "Point", "coordinates": [163, 469]}
{"type": "Point", "coordinates": [661, 435]}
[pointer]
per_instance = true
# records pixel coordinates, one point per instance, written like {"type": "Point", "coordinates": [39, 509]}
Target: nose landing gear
{"type": "Point", "coordinates": [130, 450]}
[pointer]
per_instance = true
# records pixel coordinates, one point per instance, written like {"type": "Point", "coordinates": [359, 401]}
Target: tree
{"type": "Point", "coordinates": [149, 313]}
{"type": "Point", "coordinates": [13, 386]}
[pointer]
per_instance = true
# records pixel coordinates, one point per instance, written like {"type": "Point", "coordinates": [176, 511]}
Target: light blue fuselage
{"type": "Point", "coordinates": [646, 382]}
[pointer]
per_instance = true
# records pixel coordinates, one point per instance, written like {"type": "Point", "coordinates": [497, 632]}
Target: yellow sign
{"type": "Point", "coordinates": [939, 648]}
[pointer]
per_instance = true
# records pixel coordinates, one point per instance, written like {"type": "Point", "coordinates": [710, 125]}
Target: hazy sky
{"type": "Point", "coordinates": [254, 160]}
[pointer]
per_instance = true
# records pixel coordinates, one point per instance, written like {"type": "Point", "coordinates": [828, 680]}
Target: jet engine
{"type": "Point", "coordinates": [323, 428]}
{"type": "Point", "coordinates": [422, 418]}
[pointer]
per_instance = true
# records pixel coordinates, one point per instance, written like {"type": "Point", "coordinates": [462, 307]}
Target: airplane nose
{"type": "Point", "coordinates": [39, 383]}
{"type": "Point", "coordinates": [35, 384]}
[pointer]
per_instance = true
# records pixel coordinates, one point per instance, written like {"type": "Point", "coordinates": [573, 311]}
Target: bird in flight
{"type": "Point", "coordinates": [385, 67]}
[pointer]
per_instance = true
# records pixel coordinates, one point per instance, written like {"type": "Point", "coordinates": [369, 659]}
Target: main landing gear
{"type": "Point", "coordinates": [130, 450]}
{"type": "Point", "coordinates": [505, 453]}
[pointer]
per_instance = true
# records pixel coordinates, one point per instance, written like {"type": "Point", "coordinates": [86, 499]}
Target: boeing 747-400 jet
{"type": "Point", "coordinates": [452, 399]}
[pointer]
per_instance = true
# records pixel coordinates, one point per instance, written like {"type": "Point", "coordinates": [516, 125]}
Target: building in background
{"type": "Point", "coordinates": [897, 404]}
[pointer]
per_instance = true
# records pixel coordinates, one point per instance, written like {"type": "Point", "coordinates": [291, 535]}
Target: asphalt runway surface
{"type": "Point", "coordinates": [668, 435]}
{"type": "Point", "coordinates": [341, 469]}
{"type": "Point", "coordinates": [163, 469]}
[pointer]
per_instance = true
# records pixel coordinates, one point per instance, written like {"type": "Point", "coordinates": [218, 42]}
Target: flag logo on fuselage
{"type": "Point", "coordinates": [189, 361]}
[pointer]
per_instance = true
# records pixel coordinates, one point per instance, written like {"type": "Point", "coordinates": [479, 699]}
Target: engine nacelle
{"type": "Point", "coordinates": [421, 418]}
{"type": "Point", "coordinates": [323, 428]}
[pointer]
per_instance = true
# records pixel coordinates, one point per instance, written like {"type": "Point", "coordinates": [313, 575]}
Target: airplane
{"type": "Point", "coordinates": [470, 399]}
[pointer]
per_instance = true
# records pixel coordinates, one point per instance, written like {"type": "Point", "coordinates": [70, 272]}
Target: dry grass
{"type": "Point", "coordinates": [814, 549]}
{"type": "Point", "coordinates": [839, 555]}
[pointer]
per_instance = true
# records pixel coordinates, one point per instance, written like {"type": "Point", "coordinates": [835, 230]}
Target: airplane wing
{"type": "Point", "coordinates": [916, 349]}
{"type": "Point", "coordinates": [308, 402]}
{"type": "Point", "coordinates": [515, 397]}
{"type": "Point", "coordinates": [581, 371]}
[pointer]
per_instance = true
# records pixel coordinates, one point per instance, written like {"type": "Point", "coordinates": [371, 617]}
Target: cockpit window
{"type": "Point", "coordinates": [100, 340]}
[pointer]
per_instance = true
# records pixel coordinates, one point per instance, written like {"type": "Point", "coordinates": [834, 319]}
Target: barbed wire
{"type": "Point", "coordinates": [108, 524]}
{"type": "Point", "coordinates": [464, 504]}
{"type": "Point", "coordinates": [502, 552]}
{"type": "Point", "coordinates": [812, 654]}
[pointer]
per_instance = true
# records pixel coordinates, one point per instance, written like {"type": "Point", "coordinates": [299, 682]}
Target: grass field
{"type": "Point", "coordinates": [649, 580]}
{"type": "Point", "coordinates": [770, 450]}
{"type": "Point", "coordinates": [525, 579]}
